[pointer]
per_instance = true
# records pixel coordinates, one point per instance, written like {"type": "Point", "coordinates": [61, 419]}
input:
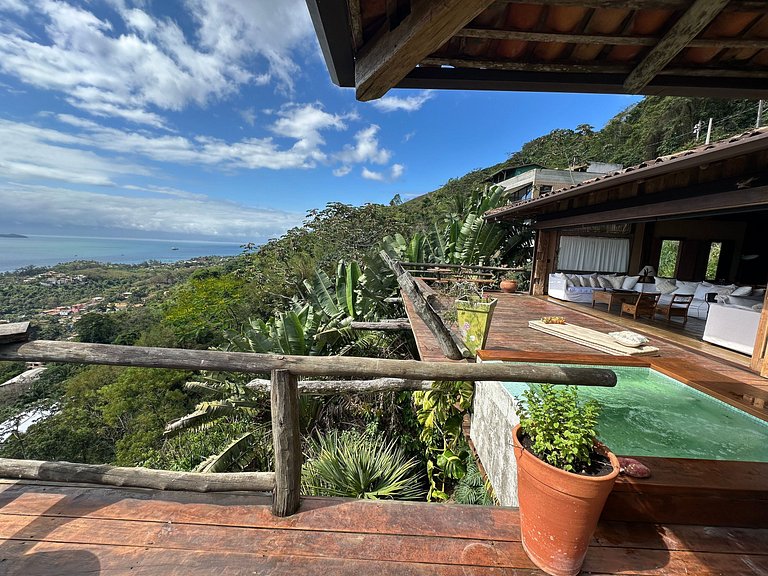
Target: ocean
{"type": "Point", "coordinates": [17, 253]}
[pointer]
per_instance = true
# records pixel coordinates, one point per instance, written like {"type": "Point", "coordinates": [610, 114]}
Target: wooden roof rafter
{"type": "Point", "coordinates": [392, 54]}
{"type": "Point", "coordinates": [691, 23]}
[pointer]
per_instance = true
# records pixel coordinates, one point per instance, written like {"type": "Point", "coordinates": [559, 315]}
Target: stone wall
{"type": "Point", "coordinates": [493, 417]}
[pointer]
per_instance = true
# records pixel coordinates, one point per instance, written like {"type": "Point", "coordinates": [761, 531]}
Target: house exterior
{"type": "Point", "coordinates": [711, 196]}
{"type": "Point", "coordinates": [532, 180]}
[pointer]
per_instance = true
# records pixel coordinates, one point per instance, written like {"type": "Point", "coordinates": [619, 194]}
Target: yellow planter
{"type": "Point", "coordinates": [474, 320]}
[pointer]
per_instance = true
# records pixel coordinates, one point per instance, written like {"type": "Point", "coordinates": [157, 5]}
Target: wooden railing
{"type": "Point", "coordinates": [284, 388]}
{"type": "Point", "coordinates": [441, 273]}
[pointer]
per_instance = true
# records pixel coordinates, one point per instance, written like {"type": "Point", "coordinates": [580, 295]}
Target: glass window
{"type": "Point", "coordinates": [670, 251]}
{"type": "Point", "coordinates": [713, 260]}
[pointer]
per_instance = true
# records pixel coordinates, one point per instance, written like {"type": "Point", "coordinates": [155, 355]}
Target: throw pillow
{"type": "Point", "coordinates": [758, 292]}
{"type": "Point", "coordinates": [573, 280]}
{"type": "Point", "coordinates": [594, 281]}
{"type": "Point", "coordinates": [629, 282]}
{"type": "Point", "coordinates": [702, 291]}
{"type": "Point", "coordinates": [723, 290]}
{"type": "Point", "coordinates": [616, 281]}
{"type": "Point", "coordinates": [665, 286]}
{"type": "Point", "coordinates": [742, 291]}
{"type": "Point", "coordinates": [687, 288]}
{"type": "Point", "coordinates": [605, 282]}
{"type": "Point", "coordinates": [757, 307]}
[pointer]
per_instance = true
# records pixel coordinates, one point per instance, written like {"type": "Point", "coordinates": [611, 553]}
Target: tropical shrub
{"type": "Point", "coordinates": [440, 412]}
{"type": "Point", "coordinates": [353, 464]}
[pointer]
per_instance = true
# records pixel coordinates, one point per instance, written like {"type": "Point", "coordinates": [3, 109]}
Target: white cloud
{"type": "Point", "coordinates": [342, 171]}
{"type": "Point", "coordinates": [395, 172]}
{"type": "Point", "coordinates": [27, 151]}
{"type": "Point", "coordinates": [408, 104]}
{"type": "Point", "coordinates": [52, 207]}
{"type": "Point", "coordinates": [372, 175]}
{"type": "Point", "coordinates": [366, 148]}
{"type": "Point", "coordinates": [154, 64]}
{"type": "Point", "coordinates": [249, 116]}
{"type": "Point", "coordinates": [304, 123]}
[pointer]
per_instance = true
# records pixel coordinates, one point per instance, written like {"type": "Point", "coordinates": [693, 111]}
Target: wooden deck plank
{"type": "Point", "coordinates": [342, 515]}
{"type": "Point", "coordinates": [63, 559]}
{"type": "Point", "coordinates": [56, 530]}
{"type": "Point", "coordinates": [274, 541]}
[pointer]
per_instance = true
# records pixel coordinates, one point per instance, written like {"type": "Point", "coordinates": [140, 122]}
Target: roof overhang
{"type": "Point", "coordinates": [641, 192]}
{"type": "Point", "coordinates": [716, 48]}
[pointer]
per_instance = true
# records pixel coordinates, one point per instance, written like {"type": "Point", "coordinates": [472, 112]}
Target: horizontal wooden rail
{"type": "Point", "coordinates": [409, 265]}
{"type": "Point", "coordinates": [135, 477]}
{"type": "Point", "coordinates": [329, 387]}
{"type": "Point", "coordinates": [342, 366]}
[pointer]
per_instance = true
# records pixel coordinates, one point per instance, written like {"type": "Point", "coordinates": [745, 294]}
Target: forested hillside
{"type": "Point", "coordinates": [654, 127]}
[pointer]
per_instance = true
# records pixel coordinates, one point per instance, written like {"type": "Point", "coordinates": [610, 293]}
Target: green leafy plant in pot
{"type": "Point", "coordinates": [564, 476]}
{"type": "Point", "coordinates": [472, 312]}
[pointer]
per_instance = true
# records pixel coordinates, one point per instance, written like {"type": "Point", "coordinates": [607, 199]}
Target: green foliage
{"type": "Point", "coordinates": [465, 237]}
{"type": "Point", "coordinates": [656, 126]}
{"type": "Point", "coordinates": [10, 370]}
{"type": "Point", "coordinates": [97, 328]}
{"type": "Point", "coordinates": [472, 489]}
{"type": "Point", "coordinates": [440, 412]}
{"type": "Point", "coordinates": [561, 429]}
{"type": "Point", "coordinates": [107, 414]}
{"type": "Point", "coordinates": [188, 451]}
{"type": "Point", "coordinates": [351, 464]}
{"type": "Point", "coordinates": [668, 258]}
{"type": "Point", "coordinates": [200, 310]}
{"type": "Point", "coordinates": [713, 260]}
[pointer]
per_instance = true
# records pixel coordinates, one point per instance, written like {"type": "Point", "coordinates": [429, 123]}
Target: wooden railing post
{"type": "Point", "coordinates": [287, 440]}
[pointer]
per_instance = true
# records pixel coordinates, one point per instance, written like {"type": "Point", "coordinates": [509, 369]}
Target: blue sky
{"type": "Point", "coordinates": [217, 119]}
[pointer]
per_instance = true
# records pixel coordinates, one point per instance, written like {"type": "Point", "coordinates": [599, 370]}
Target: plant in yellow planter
{"type": "Point", "coordinates": [473, 312]}
{"type": "Point", "coordinates": [564, 476]}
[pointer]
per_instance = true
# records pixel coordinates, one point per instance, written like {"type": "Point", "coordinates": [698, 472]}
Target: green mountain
{"type": "Point", "coordinates": [654, 127]}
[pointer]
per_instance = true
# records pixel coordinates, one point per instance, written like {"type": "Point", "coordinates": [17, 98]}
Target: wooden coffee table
{"type": "Point", "coordinates": [611, 296]}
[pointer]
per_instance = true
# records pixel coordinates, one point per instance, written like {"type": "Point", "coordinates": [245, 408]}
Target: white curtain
{"type": "Point", "coordinates": [590, 254]}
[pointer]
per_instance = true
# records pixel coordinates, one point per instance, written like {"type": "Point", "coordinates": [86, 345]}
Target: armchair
{"type": "Point", "coordinates": [645, 305]}
{"type": "Point", "coordinates": [678, 306]}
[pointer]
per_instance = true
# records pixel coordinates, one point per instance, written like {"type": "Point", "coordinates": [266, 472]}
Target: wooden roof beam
{"type": "Point", "coordinates": [734, 6]}
{"type": "Point", "coordinates": [391, 55]}
{"type": "Point", "coordinates": [690, 25]}
{"type": "Point", "coordinates": [496, 34]}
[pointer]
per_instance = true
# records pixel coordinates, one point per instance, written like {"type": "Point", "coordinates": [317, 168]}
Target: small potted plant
{"type": "Point", "coordinates": [508, 282]}
{"type": "Point", "coordinates": [564, 477]}
{"type": "Point", "coordinates": [472, 311]}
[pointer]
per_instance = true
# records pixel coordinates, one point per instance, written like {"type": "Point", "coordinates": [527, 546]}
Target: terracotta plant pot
{"type": "Point", "coordinates": [508, 285]}
{"type": "Point", "coordinates": [559, 510]}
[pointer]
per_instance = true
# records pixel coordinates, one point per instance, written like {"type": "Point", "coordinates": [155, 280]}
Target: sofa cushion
{"type": "Point", "coordinates": [686, 288]}
{"type": "Point", "coordinates": [702, 291]}
{"type": "Point", "coordinates": [758, 292]}
{"type": "Point", "coordinates": [573, 280]}
{"type": "Point", "coordinates": [616, 282]}
{"type": "Point", "coordinates": [604, 282]}
{"type": "Point", "coordinates": [629, 282]}
{"type": "Point", "coordinates": [665, 286]}
{"type": "Point", "coordinates": [742, 291]}
{"type": "Point", "coordinates": [593, 281]}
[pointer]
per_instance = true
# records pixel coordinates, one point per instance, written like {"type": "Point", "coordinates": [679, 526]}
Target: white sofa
{"type": "Point", "coordinates": [561, 286]}
{"type": "Point", "coordinates": [732, 326]}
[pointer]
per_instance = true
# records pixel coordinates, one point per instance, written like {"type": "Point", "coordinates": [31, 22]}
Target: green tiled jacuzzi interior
{"type": "Point", "coordinates": [650, 414]}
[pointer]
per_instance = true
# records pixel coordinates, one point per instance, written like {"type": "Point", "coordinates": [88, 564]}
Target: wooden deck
{"type": "Point", "coordinates": [56, 530]}
{"type": "Point", "coordinates": [720, 372]}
